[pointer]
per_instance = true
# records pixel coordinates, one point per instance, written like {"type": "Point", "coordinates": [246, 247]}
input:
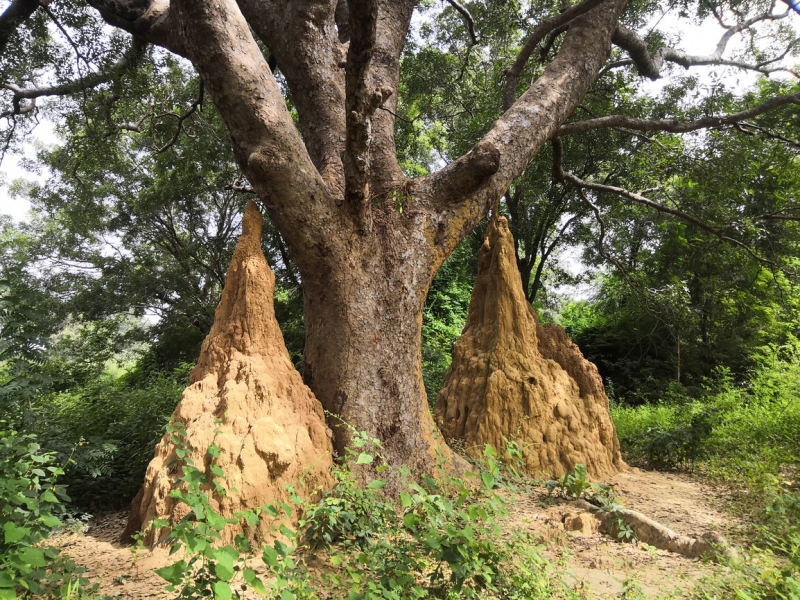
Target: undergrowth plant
{"type": "Point", "coordinates": [575, 485]}
{"type": "Point", "coordinates": [438, 538]}
{"type": "Point", "coordinates": [31, 507]}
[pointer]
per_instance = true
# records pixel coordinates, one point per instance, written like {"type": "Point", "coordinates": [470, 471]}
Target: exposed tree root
{"type": "Point", "coordinates": [710, 545]}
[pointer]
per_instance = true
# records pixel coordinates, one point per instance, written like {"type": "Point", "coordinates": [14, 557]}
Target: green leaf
{"type": "Point", "coordinates": [14, 533]}
{"type": "Point", "coordinates": [7, 594]}
{"type": "Point", "coordinates": [51, 521]}
{"type": "Point", "coordinates": [33, 557]}
{"type": "Point", "coordinates": [364, 459]}
{"type": "Point", "coordinates": [376, 484]}
{"type": "Point", "coordinates": [222, 591]}
{"type": "Point", "coordinates": [254, 580]}
{"type": "Point", "coordinates": [173, 572]}
{"type": "Point", "coordinates": [270, 556]}
{"type": "Point", "coordinates": [224, 567]}
{"type": "Point", "coordinates": [49, 496]}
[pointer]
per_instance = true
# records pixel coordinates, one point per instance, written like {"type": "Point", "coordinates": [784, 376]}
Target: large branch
{"type": "Point", "coordinates": [650, 65]}
{"type": "Point", "coordinates": [394, 19]}
{"type": "Point", "coordinates": [674, 125]}
{"type": "Point", "coordinates": [302, 38]}
{"type": "Point", "coordinates": [359, 103]}
{"type": "Point", "coordinates": [15, 15]}
{"type": "Point", "coordinates": [152, 20]}
{"type": "Point", "coordinates": [720, 232]}
{"type": "Point", "coordinates": [514, 139]}
{"type": "Point", "coordinates": [129, 59]}
{"type": "Point", "coordinates": [266, 142]}
{"type": "Point", "coordinates": [536, 36]}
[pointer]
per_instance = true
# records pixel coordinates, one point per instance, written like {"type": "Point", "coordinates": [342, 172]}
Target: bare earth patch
{"type": "Point", "coordinates": [591, 561]}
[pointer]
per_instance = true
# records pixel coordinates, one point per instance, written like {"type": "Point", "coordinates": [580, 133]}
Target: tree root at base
{"type": "Point", "coordinates": [710, 545]}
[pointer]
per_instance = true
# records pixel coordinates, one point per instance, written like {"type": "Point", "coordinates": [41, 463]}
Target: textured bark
{"type": "Point", "coordinates": [247, 398]}
{"type": "Point", "coordinates": [513, 378]}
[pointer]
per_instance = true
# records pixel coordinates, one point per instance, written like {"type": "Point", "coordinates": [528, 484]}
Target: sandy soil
{"type": "Point", "coordinates": [590, 560]}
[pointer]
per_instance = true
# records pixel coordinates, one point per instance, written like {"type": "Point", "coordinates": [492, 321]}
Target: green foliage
{"type": "Point", "coordinates": [31, 506]}
{"type": "Point", "coordinates": [110, 428]}
{"type": "Point", "coordinates": [21, 350]}
{"type": "Point", "coordinates": [747, 430]}
{"type": "Point", "coordinates": [749, 438]}
{"type": "Point", "coordinates": [350, 514]}
{"type": "Point", "coordinates": [573, 484]}
{"type": "Point", "coordinates": [439, 538]}
{"type": "Point", "coordinates": [445, 313]}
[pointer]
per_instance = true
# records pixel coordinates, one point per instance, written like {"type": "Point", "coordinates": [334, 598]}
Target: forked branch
{"type": "Point", "coordinates": [650, 65]}
{"type": "Point", "coordinates": [128, 60]}
{"type": "Point", "coordinates": [674, 125]}
{"type": "Point", "coordinates": [536, 36]}
{"type": "Point", "coordinates": [467, 19]}
{"type": "Point", "coordinates": [15, 15]}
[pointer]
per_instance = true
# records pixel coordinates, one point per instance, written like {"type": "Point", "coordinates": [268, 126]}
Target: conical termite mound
{"type": "Point", "coordinates": [514, 379]}
{"type": "Point", "coordinates": [246, 397]}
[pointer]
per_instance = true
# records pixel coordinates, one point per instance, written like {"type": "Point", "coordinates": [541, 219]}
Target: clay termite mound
{"type": "Point", "coordinates": [246, 397]}
{"type": "Point", "coordinates": [514, 379]}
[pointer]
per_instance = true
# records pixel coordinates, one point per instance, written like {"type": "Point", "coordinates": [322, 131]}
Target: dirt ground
{"type": "Point", "coordinates": [590, 560]}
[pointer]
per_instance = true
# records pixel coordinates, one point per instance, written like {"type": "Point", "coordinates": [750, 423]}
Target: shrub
{"type": "Point", "coordinates": [113, 429]}
{"type": "Point", "coordinates": [31, 506]}
{"type": "Point", "coordinates": [438, 539]}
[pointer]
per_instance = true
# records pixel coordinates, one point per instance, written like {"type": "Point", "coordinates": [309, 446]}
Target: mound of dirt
{"type": "Point", "coordinates": [514, 379]}
{"type": "Point", "coordinates": [246, 397]}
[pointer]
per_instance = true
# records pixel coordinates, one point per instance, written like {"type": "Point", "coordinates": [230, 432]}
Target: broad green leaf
{"type": "Point", "coordinates": [14, 533]}
{"type": "Point", "coordinates": [364, 459]}
{"type": "Point", "coordinates": [222, 591]}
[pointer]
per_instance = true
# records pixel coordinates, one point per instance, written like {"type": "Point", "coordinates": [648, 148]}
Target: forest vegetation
{"type": "Point", "coordinates": [656, 222]}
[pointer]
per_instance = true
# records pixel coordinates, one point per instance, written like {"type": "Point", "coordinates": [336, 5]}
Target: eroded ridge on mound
{"type": "Point", "coordinates": [514, 378]}
{"type": "Point", "coordinates": [247, 398]}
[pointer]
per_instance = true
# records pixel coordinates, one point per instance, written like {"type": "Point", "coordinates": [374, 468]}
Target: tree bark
{"type": "Point", "coordinates": [363, 316]}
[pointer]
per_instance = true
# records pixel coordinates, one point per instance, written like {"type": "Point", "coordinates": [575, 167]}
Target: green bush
{"type": "Point", "coordinates": [31, 506]}
{"type": "Point", "coordinates": [439, 538]}
{"type": "Point", "coordinates": [110, 429]}
{"type": "Point", "coordinates": [747, 436]}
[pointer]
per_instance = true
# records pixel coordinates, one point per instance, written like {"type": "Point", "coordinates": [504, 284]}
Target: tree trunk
{"type": "Point", "coordinates": [363, 313]}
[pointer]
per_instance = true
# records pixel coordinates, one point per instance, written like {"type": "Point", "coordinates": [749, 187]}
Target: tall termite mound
{"type": "Point", "coordinates": [246, 397]}
{"type": "Point", "coordinates": [513, 378]}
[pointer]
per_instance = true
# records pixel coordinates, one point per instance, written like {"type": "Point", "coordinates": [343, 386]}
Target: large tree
{"type": "Point", "coordinates": [366, 238]}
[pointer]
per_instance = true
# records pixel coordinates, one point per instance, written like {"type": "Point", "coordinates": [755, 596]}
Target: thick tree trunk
{"type": "Point", "coordinates": [363, 312]}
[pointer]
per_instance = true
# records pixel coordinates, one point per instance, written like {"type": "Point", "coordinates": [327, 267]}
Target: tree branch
{"type": "Point", "coordinates": [536, 36]}
{"type": "Point", "coordinates": [650, 65]}
{"type": "Point", "coordinates": [15, 15]}
{"type": "Point", "coordinates": [152, 20]}
{"type": "Point", "coordinates": [674, 125]}
{"type": "Point", "coordinates": [198, 103]}
{"type": "Point", "coordinates": [717, 231]}
{"type": "Point", "coordinates": [129, 59]}
{"type": "Point", "coordinates": [360, 105]}
{"type": "Point", "coordinates": [306, 48]}
{"type": "Point", "coordinates": [467, 19]}
{"type": "Point", "coordinates": [266, 143]}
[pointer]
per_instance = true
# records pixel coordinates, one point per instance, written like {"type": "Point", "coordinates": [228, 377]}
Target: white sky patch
{"type": "Point", "coordinates": [12, 169]}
